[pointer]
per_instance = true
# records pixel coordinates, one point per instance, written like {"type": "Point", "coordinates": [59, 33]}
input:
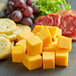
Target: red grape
{"type": "Point", "coordinates": [35, 10]}
{"type": "Point", "coordinates": [10, 6]}
{"type": "Point", "coordinates": [6, 11]}
{"type": "Point", "coordinates": [29, 2]}
{"type": "Point", "coordinates": [32, 17]}
{"type": "Point", "coordinates": [11, 0]}
{"type": "Point", "coordinates": [28, 11]}
{"type": "Point", "coordinates": [20, 3]}
{"type": "Point", "coordinates": [27, 21]}
{"type": "Point", "coordinates": [16, 16]}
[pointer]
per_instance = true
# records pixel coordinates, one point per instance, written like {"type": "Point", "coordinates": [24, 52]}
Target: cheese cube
{"type": "Point", "coordinates": [64, 42]}
{"type": "Point", "coordinates": [32, 62]}
{"type": "Point", "coordinates": [48, 60]}
{"type": "Point", "coordinates": [34, 45]}
{"type": "Point", "coordinates": [59, 32]}
{"type": "Point", "coordinates": [51, 47]}
{"type": "Point", "coordinates": [21, 43]}
{"type": "Point", "coordinates": [45, 36]}
{"type": "Point", "coordinates": [37, 29]}
{"type": "Point", "coordinates": [61, 50]}
{"type": "Point", "coordinates": [54, 31]}
{"type": "Point", "coordinates": [18, 54]}
{"type": "Point", "coordinates": [25, 34]}
{"type": "Point", "coordinates": [62, 58]}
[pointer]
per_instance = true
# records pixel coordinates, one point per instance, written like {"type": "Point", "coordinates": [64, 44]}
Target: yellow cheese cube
{"type": "Point", "coordinates": [34, 45]}
{"type": "Point", "coordinates": [32, 62]}
{"type": "Point", "coordinates": [37, 29]}
{"type": "Point", "coordinates": [54, 31]}
{"type": "Point", "coordinates": [59, 32]}
{"type": "Point", "coordinates": [21, 43]}
{"type": "Point", "coordinates": [61, 50]}
{"type": "Point", "coordinates": [25, 34]}
{"type": "Point", "coordinates": [45, 36]}
{"type": "Point", "coordinates": [18, 54]}
{"type": "Point", "coordinates": [48, 60]}
{"type": "Point", "coordinates": [62, 58]}
{"type": "Point", "coordinates": [64, 42]}
{"type": "Point", "coordinates": [51, 47]}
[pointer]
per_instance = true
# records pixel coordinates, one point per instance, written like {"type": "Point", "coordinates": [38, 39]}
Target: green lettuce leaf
{"type": "Point", "coordinates": [52, 6]}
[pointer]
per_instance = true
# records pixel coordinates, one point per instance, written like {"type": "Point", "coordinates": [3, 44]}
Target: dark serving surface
{"type": "Point", "coordinates": [7, 68]}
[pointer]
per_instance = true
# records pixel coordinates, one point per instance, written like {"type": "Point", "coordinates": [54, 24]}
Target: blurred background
{"type": "Point", "coordinates": [73, 3]}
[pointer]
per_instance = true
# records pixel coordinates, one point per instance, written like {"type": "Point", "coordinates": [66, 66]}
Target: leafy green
{"type": "Point", "coordinates": [52, 6]}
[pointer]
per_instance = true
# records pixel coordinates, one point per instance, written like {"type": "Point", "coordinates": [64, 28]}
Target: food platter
{"type": "Point", "coordinates": [7, 68]}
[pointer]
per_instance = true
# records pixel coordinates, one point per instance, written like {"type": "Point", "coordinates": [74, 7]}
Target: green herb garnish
{"type": "Point", "coordinates": [52, 6]}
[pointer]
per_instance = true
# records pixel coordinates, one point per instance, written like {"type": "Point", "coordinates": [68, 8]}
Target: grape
{"type": "Point", "coordinates": [32, 17]}
{"type": "Point", "coordinates": [27, 21]}
{"type": "Point", "coordinates": [10, 6]}
{"type": "Point", "coordinates": [35, 10]}
{"type": "Point", "coordinates": [20, 3]}
{"type": "Point", "coordinates": [6, 11]}
{"type": "Point", "coordinates": [29, 2]}
{"type": "Point", "coordinates": [28, 11]}
{"type": "Point", "coordinates": [9, 0]}
{"type": "Point", "coordinates": [16, 16]}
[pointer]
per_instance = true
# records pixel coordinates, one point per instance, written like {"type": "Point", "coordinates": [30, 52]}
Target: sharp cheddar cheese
{"type": "Point", "coordinates": [32, 62]}
{"type": "Point", "coordinates": [18, 54]}
{"type": "Point", "coordinates": [37, 29]}
{"type": "Point", "coordinates": [21, 42]}
{"type": "Point", "coordinates": [64, 42]}
{"type": "Point", "coordinates": [34, 45]}
{"type": "Point", "coordinates": [43, 40]}
{"type": "Point", "coordinates": [48, 60]}
{"type": "Point", "coordinates": [61, 58]}
{"type": "Point", "coordinates": [25, 34]}
{"type": "Point", "coordinates": [61, 50]}
{"type": "Point", "coordinates": [51, 47]}
{"type": "Point", "coordinates": [45, 36]}
{"type": "Point", "coordinates": [54, 31]}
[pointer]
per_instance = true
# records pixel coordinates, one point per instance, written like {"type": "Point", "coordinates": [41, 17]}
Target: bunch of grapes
{"type": "Point", "coordinates": [22, 11]}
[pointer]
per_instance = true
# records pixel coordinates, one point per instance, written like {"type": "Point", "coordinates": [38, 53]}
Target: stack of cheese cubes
{"type": "Point", "coordinates": [43, 47]}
